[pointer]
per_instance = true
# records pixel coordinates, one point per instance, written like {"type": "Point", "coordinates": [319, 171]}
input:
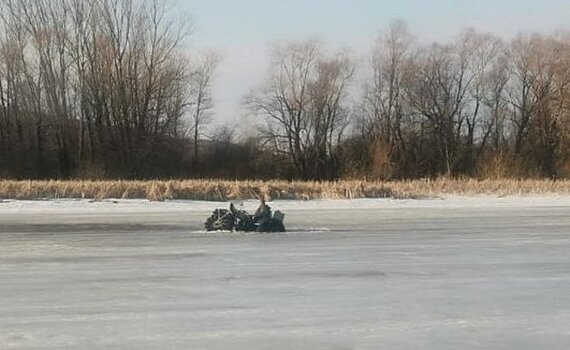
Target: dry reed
{"type": "Point", "coordinates": [221, 190]}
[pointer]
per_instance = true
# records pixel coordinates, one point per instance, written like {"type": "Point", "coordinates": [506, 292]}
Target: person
{"type": "Point", "coordinates": [263, 212]}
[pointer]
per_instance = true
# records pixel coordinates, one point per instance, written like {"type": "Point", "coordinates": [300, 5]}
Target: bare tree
{"type": "Point", "coordinates": [537, 95]}
{"type": "Point", "coordinates": [446, 91]}
{"type": "Point", "coordinates": [494, 125]}
{"type": "Point", "coordinates": [552, 79]}
{"type": "Point", "coordinates": [202, 102]}
{"type": "Point", "coordinates": [485, 65]}
{"type": "Point", "coordinates": [304, 106]}
{"type": "Point", "coordinates": [384, 103]}
{"type": "Point", "coordinates": [107, 78]}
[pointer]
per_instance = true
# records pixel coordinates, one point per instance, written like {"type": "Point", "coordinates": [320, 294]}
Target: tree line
{"type": "Point", "coordinates": [109, 89]}
{"type": "Point", "coordinates": [101, 88]}
{"type": "Point", "coordinates": [476, 106]}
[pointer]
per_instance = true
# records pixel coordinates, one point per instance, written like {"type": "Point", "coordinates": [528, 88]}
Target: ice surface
{"type": "Point", "coordinates": [454, 273]}
{"type": "Point", "coordinates": [109, 206]}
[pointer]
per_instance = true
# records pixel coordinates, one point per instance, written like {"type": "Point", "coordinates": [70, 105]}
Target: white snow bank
{"type": "Point", "coordinates": [143, 206]}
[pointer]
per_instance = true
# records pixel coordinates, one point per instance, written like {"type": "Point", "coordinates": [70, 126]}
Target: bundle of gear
{"type": "Point", "coordinates": [240, 220]}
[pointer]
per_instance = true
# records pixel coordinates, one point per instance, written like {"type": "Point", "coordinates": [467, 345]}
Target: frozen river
{"type": "Point", "coordinates": [483, 273]}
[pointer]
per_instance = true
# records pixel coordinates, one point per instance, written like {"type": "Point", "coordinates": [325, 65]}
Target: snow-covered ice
{"type": "Point", "coordinates": [448, 273]}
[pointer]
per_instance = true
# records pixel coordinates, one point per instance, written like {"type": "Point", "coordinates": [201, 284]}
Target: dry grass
{"type": "Point", "coordinates": [229, 190]}
{"type": "Point", "coordinates": [473, 187]}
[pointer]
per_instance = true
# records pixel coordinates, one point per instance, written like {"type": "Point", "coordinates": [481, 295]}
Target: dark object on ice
{"type": "Point", "coordinates": [263, 212]}
{"type": "Point", "coordinates": [240, 220]}
{"type": "Point", "coordinates": [221, 220]}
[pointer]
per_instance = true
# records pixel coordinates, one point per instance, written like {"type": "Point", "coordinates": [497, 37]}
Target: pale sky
{"type": "Point", "coordinates": [243, 30]}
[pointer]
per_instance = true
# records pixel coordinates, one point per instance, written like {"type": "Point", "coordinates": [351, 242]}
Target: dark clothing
{"type": "Point", "coordinates": [262, 213]}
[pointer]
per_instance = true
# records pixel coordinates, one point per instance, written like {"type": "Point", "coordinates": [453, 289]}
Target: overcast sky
{"type": "Point", "coordinates": [244, 29]}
